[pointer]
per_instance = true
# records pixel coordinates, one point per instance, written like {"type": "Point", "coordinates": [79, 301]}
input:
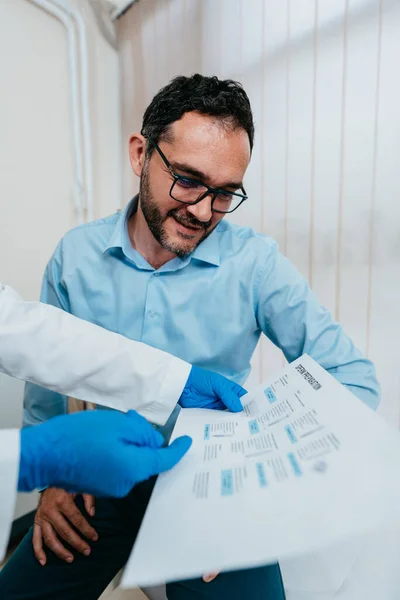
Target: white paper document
{"type": "Point", "coordinates": [305, 465]}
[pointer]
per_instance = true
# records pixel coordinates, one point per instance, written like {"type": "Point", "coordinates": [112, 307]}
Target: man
{"type": "Point", "coordinates": [96, 452]}
{"type": "Point", "coordinates": [171, 272]}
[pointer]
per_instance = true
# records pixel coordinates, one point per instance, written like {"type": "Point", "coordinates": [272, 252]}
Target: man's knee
{"type": "Point", "coordinates": [21, 562]}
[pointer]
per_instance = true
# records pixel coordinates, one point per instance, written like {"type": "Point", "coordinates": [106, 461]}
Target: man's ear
{"type": "Point", "coordinates": [137, 152]}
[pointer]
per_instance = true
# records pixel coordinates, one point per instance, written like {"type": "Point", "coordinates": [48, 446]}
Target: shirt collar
{"type": "Point", "coordinates": [207, 251]}
{"type": "Point", "coordinates": [117, 236]}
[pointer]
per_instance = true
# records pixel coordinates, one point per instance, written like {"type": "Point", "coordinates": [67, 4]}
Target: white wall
{"type": "Point", "coordinates": [324, 179]}
{"type": "Point", "coordinates": [37, 168]}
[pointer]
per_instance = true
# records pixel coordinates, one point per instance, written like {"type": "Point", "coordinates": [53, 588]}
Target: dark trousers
{"type": "Point", "coordinates": [117, 523]}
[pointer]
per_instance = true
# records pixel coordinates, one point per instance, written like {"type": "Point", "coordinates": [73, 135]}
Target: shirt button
{"type": "Point", "coordinates": [156, 274]}
{"type": "Point", "coordinates": [151, 314]}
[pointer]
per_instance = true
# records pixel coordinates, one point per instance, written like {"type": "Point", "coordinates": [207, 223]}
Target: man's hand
{"type": "Point", "coordinates": [89, 504]}
{"type": "Point", "coordinates": [205, 389]}
{"type": "Point", "coordinates": [210, 577]}
{"type": "Point", "coordinates": [56, 513]}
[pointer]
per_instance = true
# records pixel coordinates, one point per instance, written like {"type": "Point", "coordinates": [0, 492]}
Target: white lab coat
{"type": "Point", "coordinates": [46, 346]}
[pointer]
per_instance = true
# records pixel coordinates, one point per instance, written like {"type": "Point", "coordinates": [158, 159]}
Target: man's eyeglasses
{"type": "Point", "coordinates": [191, 191]}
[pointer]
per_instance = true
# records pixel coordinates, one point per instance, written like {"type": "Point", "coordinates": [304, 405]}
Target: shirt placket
{"type": "Point", "coordinates": [152, 314]}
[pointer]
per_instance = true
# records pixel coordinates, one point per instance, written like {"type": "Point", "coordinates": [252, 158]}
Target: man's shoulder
{"type": "Point", "coordinates": [96, 233]}
{"type": "Point", "coordinates": [236, 238]}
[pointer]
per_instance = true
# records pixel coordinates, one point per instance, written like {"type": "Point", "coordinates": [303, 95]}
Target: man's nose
{"type": "Point", "coordinates": [202, 210]}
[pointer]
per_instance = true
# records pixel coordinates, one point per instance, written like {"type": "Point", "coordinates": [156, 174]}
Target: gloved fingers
{"type": "Point", "coordinates": [214, 405]}
{"type": "Point", "coordinates": [231, 400]}
{"type": "Point", "coordinates": [228, 392]}
{"type": "Point", "coordinates": [140, 432]}
{"type": "Point", "coordinates": [166, 458]}
{"type": "Point", "coordinates": [130, 427]}
{"type": "Point", "coordinates": [150, 461]}
{"type": "Point", "coordinates": [239, 389]}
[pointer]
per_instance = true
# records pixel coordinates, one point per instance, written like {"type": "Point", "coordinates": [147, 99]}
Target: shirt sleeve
{"type": "Point", "coordinates": [9, 465]}
{"type": "Point", "coordinates": [53, 349]}
{"type": "Point", "coordinates": [289, 313]}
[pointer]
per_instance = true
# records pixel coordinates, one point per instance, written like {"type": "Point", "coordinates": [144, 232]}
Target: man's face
{"type": "Point", "coordinates": [203, 149]}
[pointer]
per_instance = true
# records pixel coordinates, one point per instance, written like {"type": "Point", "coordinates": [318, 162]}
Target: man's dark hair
{"type": "Point", "coordinates": [225, 100]}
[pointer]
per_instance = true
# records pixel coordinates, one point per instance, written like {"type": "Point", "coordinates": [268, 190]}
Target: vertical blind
{"type": "Point", "coordinates": [324, 181]}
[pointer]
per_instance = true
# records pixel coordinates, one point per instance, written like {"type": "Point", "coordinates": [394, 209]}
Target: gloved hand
{"type": "Point", "coordinates": [205, 389]}
{"type": "Point", "coordinates": [104, 453]}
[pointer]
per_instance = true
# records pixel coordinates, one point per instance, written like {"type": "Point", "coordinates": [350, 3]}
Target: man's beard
{"type": "Point", "coordinates": [155, 221]}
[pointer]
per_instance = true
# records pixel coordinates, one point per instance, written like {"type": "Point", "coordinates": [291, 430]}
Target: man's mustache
{"type": "Point", "coordinates": [187, 220]}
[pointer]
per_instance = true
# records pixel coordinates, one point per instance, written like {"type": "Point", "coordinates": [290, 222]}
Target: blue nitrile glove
{"type": "Point", "coordinates": [205, 389]}
{"type": "Point", "coordinates": [104, 453]}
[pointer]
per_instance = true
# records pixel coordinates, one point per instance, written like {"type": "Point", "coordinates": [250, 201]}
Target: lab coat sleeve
{"type": "Point", "coordinates": [9, 465]}
{"type": "Point", "coordinates": [51, 348]}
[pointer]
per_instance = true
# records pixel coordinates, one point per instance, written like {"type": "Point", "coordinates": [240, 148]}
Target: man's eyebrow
{"type": "Point", "coordinates": [202, 176]}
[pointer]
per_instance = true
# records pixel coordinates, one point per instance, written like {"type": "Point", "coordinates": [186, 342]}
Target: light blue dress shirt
{"type": "Point", "coordinates": [209, 308]}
